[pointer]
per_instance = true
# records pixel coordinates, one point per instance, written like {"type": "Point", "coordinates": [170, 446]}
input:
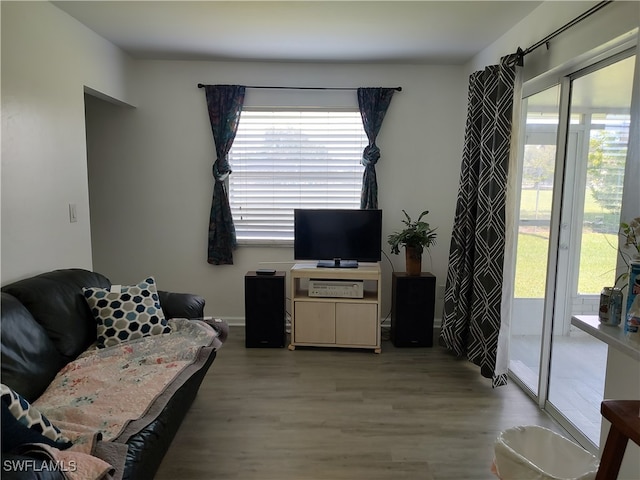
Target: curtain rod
{"type": "Point", "coordinates": [398, 89]}
{"type": "Point", "coordinates": [518, 57]}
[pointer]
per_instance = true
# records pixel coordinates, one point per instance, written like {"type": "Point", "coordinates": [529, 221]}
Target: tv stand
{"type": "Point", "coordinates": [336, 321]}
{"type": "Point", "coordinates": [337, 263]}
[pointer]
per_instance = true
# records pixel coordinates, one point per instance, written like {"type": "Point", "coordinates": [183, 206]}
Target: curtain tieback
{"type": "Point", "coordinates": [370, 155]}
{"type": "Point", "coordinates": [218, 175]}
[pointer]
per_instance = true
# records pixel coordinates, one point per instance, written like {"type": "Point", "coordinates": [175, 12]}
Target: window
{"type": "Point", "coordinates": [287, 159]}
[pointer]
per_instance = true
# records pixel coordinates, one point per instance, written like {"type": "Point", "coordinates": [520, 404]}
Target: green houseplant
{"type": "Point", "coordinates": [630, 249]}
{"type": "Point", "coordinates": [415, 238]}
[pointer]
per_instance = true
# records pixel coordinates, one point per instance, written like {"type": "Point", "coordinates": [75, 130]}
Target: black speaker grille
{"type": "Point", "coordinates": [412, 310]}
{"type": "Point", "coordinates": [264, 302]}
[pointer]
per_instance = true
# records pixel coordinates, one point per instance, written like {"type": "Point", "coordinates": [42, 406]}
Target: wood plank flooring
{"type": "Point", "coordinates": [332, 414]}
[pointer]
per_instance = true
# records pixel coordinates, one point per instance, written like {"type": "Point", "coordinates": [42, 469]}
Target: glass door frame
{"type": "Point", "coordinates": [559, 235]}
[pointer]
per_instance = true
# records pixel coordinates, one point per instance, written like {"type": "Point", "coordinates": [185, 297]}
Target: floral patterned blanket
{"type": "Point", "coordinates": [116, 391]}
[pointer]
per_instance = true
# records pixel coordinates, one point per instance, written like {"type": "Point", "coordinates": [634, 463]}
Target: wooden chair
{"type": "Point", "coordinates": [624, 416]}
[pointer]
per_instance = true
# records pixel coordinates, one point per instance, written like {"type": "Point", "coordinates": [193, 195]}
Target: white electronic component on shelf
{"type": "Point", "coordinates": [336, 288]}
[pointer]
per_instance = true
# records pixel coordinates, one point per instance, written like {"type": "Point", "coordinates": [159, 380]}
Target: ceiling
{"type": "Point", "coordinates": [421, 32]}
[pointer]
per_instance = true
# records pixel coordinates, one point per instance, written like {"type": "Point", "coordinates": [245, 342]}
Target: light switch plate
{"type": "Point", "coordinates": [73, 214]}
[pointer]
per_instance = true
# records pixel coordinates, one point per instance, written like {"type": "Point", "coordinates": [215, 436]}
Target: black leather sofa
{"type": "Point", "coordinates": [45, 323]}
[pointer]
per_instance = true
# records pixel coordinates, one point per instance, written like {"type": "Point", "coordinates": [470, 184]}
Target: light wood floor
{"type": "Point", "coordinates": [330, 414]}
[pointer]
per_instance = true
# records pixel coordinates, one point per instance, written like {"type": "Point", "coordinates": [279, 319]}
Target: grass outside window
{"type": "Point", "coordinates": [597, 252]}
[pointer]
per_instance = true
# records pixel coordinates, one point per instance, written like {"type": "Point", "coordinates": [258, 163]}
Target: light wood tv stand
{"type": "Point", "coordinates": [331, 321]}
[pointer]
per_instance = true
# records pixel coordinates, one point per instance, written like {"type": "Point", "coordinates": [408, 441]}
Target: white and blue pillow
{"type": "Point", "coordinates": [124, 313]}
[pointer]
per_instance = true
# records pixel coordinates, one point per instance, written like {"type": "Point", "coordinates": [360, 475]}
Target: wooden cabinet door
{"type": "Point", "coordinates": [357, 324]}
{"type": "Point", "coordinates": [314, 322]}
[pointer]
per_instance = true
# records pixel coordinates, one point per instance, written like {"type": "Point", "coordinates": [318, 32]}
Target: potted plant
{"type": "Point", "coordinates": [630, 233]}
{"type": "Point", "coordinates": [415, 237]}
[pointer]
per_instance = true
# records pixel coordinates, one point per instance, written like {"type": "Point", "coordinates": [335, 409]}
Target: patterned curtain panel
{"type": "Point", "coordinates": [471, 317]}
{"type": "Point", "coordinates": [373, 104]}
{"type": "Point", "coordinates": [224, 103]}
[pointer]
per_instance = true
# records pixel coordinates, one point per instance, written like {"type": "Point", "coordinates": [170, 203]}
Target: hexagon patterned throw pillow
{"type": "Point", "coordinates": [125, 313]}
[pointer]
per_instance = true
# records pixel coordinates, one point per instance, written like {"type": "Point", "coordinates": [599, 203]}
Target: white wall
{"type": "Point", "coordinates": [47, 59]}
{"type": "Point", "coordinates": [150, 169]}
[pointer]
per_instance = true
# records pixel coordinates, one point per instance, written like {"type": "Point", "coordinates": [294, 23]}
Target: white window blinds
{"type": "Point", "coordinates": [287, 159]}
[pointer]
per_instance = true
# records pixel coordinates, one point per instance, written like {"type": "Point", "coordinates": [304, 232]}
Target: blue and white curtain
{"type": "Point", "coordinates": [373, 104]}
{"type": "Point", "coordinates": [224, 104]}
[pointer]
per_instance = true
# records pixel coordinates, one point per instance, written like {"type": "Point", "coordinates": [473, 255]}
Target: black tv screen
{"type": "Point", "coordinates": [337, 237]}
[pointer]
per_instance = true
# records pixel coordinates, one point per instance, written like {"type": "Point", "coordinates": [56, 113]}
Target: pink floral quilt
{"type": "Point", "coordinates": [116, 391]}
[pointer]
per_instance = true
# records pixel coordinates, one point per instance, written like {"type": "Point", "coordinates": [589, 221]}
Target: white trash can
{"type": "Point", "coordinates": [532, 452]}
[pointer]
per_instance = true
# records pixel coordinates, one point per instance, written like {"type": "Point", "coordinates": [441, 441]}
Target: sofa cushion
{"type": "Point", "coordinates": [29, 415]}
{"type": "Point", "coordinates": [29, 358]}
{"type": "Point", "coordinates": [125, 313]}
{"type": "Point", "coordinates": [55, 300]}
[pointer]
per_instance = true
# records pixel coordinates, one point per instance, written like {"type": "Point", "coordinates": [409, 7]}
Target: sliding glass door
{"type": "Point", "coordinates": [536, 180]}
{"type": "Point", "coordinates": [571, 188]}
{"type": "Point", "coordinates": [593, 189]}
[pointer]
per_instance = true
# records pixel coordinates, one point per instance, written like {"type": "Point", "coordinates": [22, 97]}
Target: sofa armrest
{"type": "Point", "coordinates": [181, 305]}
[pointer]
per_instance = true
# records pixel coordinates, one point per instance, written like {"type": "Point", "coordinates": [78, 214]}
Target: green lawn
{"type": "Point", "coordinates": [597, 253]}
{"type": "Point", "coordinates": [531, 266]}
{"type": "Point", "coordinates": [596, 264]}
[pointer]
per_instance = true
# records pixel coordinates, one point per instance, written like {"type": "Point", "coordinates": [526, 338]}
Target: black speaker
{"type": "Point", "coordinates": [412, 309]}
{"type": "Point", "coordinates": [264, 307]}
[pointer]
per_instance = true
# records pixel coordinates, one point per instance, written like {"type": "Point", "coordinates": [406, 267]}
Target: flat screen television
{"type": "Point", "coordinates": [337, 238]}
